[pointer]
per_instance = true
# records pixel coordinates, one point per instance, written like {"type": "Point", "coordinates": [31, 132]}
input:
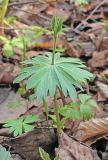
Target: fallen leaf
{"type": "Point", "coordinates": [69, 149]}
{"type": "Point", "coordinates": [103, 88]}
{"type": "Point", "coordinates": [88, 132]}
{"type": "Point", "coordinates": [99, 59]}
{"type": "Point", "coordinates": [8, 72]}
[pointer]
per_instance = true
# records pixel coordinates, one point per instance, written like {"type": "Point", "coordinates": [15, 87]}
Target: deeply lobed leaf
{"type": "Point", "coordinates": [21, 124]}
{"type": "Point", "coordinates": [66, 74]}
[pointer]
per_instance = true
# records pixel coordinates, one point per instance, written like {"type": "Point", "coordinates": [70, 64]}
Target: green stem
{"type": "Point", "coordinates": [3, 11]}
{"type": "Point", "coordinates": [46, 110]}
{"type": "Point", "coordinates": [24, 51]}
{"type": "Point", "coordinates": [54, 47]}
{"type": "Point", "coordinates": [57, 115]}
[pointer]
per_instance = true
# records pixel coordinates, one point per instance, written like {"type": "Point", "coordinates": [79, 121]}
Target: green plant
{"type": "Point", "coordinates": [3, 10]}
{"type": "Point", "coordinates": [81, 2]}
{"type": "Point", "coordinates": [51, 72]}
{"type": "Point", "coordinates": [21, 124]}
{"type": "Point", "coordinates": [25, 39]}
{"type": "Point", "coordinates": [45, 156]}
{"type": "Point", "coordinates": [14, 104]}
{"type": "Point", "coordinates": [4, 155]}
{"type": "Point", "coordinates": [18, 42]}
{"type": "Point", "coordinates": [79, 109]}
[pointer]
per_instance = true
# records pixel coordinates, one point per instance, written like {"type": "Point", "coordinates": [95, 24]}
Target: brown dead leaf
{"type": "Point", "coordinates": [27, 145]}
{"type": "Point", "coordinates": [103, 88]}
{"type": "Point", "coordinates": [104, 43]}
{"type": "Point", "coordinates": [46, 42]}
{"type": "Point", "coordinates": [99, 59]}
{"type": "Point", "coordinates": [88, 132]}
{"type": "Point", "coordinates": [90, 6]}
{"type": "Point", "coordinates": [70, 149]}
{"type": "Point", "coordinates": [65, 14]}
{"type": "Point", "coordinates": [104, 76]}
{"type": "Point", "coordinates": [31, 53]}
{"type": "Point", "coordinates": [8, 72]}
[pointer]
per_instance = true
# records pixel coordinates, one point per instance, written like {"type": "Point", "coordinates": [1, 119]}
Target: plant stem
{"type": "Point", "coordinates": [3, 11]}
{"type": "Point", "coordinates": [57, 115]}
{"type": "Point", "coordinates": [46, 110]}
{"type": "Point", "coordinates": [54, 47]}
{"type": "Point", "coordinates": [24, 50]}
{"type": "Point", "coordinates": [62, 97]}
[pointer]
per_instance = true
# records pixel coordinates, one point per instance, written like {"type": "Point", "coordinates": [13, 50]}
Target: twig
{"type": "Point", "coordinates": [22, 3]}
{"type": "Point", "coordinates": [96, 8]}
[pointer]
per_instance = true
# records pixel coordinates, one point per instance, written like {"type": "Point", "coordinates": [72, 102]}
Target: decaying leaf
{"type": "Point", "coordinates": [8, 72]}
{"type": "Point", "coordinates": [70, 149]}
{"type": "Point", "coordinates": [90, 131]}
{"type": "Point", "coordinates": [104, 76]}
{"type": "Point", "coordinates": [99, 59]}
{"type": "Point", "coordinates": [103, 88]}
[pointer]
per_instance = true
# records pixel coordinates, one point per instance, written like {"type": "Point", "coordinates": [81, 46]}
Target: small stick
{"type": "Point", "coordinates": [96, 8]}
{"type": "Point", "coordinates": [22, 3]}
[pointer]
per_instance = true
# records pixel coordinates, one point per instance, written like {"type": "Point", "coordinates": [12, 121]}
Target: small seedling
{"type": "Point", "coordinates": [51, 73]}
{"type": "Point", "coordinates": [21, 125]}
{"type": "Point", "coordinates": [80, 109]}
{"type": "Point", "coordinates": [22, 42]}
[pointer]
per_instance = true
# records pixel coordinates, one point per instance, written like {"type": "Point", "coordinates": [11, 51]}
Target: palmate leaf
{"type": "Point", "coordinates": [21, 124]}
{"type": "Point", "coordinates": [70, 113]}
{"type": "Point", "coordinates": [79, 109]}
{"type": "Point", "coordinates": [66, 74]}
{"type": "Point", "coordinates": [87, 103]}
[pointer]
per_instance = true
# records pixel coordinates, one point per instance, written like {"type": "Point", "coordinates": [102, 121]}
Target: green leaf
{"type": "Point", "coordinates": [44, 78]}
{"type": "Point", "coordinates": [4, 155]}
{"type": "Point", "coordinates": [93, 104]}
{"type": "Point", "coordinates": [21, 125]}
{"type": "Point", "coordinates": [54, 23]}
{"type": "Point", "coordinates": [59, 25]}
{"type": "Point", "coordinates": [106, 25]}
{"type": "Point", "coordinates": [43, 154]}
{"type": "Point", "coordinates": [10, 19]}
{"type": "Point", "coordinates": [31, 119]}
{"type": "Point", "coordinates": [14, 104]}
{"type": "Point", "coordinates": [21, 77]}
{"type": "Point", "coordinates": [86, 111]}
{"type": "Point", "coordinates": [70, 113]}
{"type": "Point", "coordinates": [21, 91]}
{"type": "Point", "coordinates": [8, 50]}
{"type": "Point", "coordinates": [57, 158]}
{"type": "Point", "coordinates": [4, 39]}
{"type": "Point", "coordinates": [32, 98]}
{"type": "Point", "coordinates": [18, 42]}
{"type": "Point", "coordinates": [82, 2]}
{"type": "Point", "coordinates": [84, 98]}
